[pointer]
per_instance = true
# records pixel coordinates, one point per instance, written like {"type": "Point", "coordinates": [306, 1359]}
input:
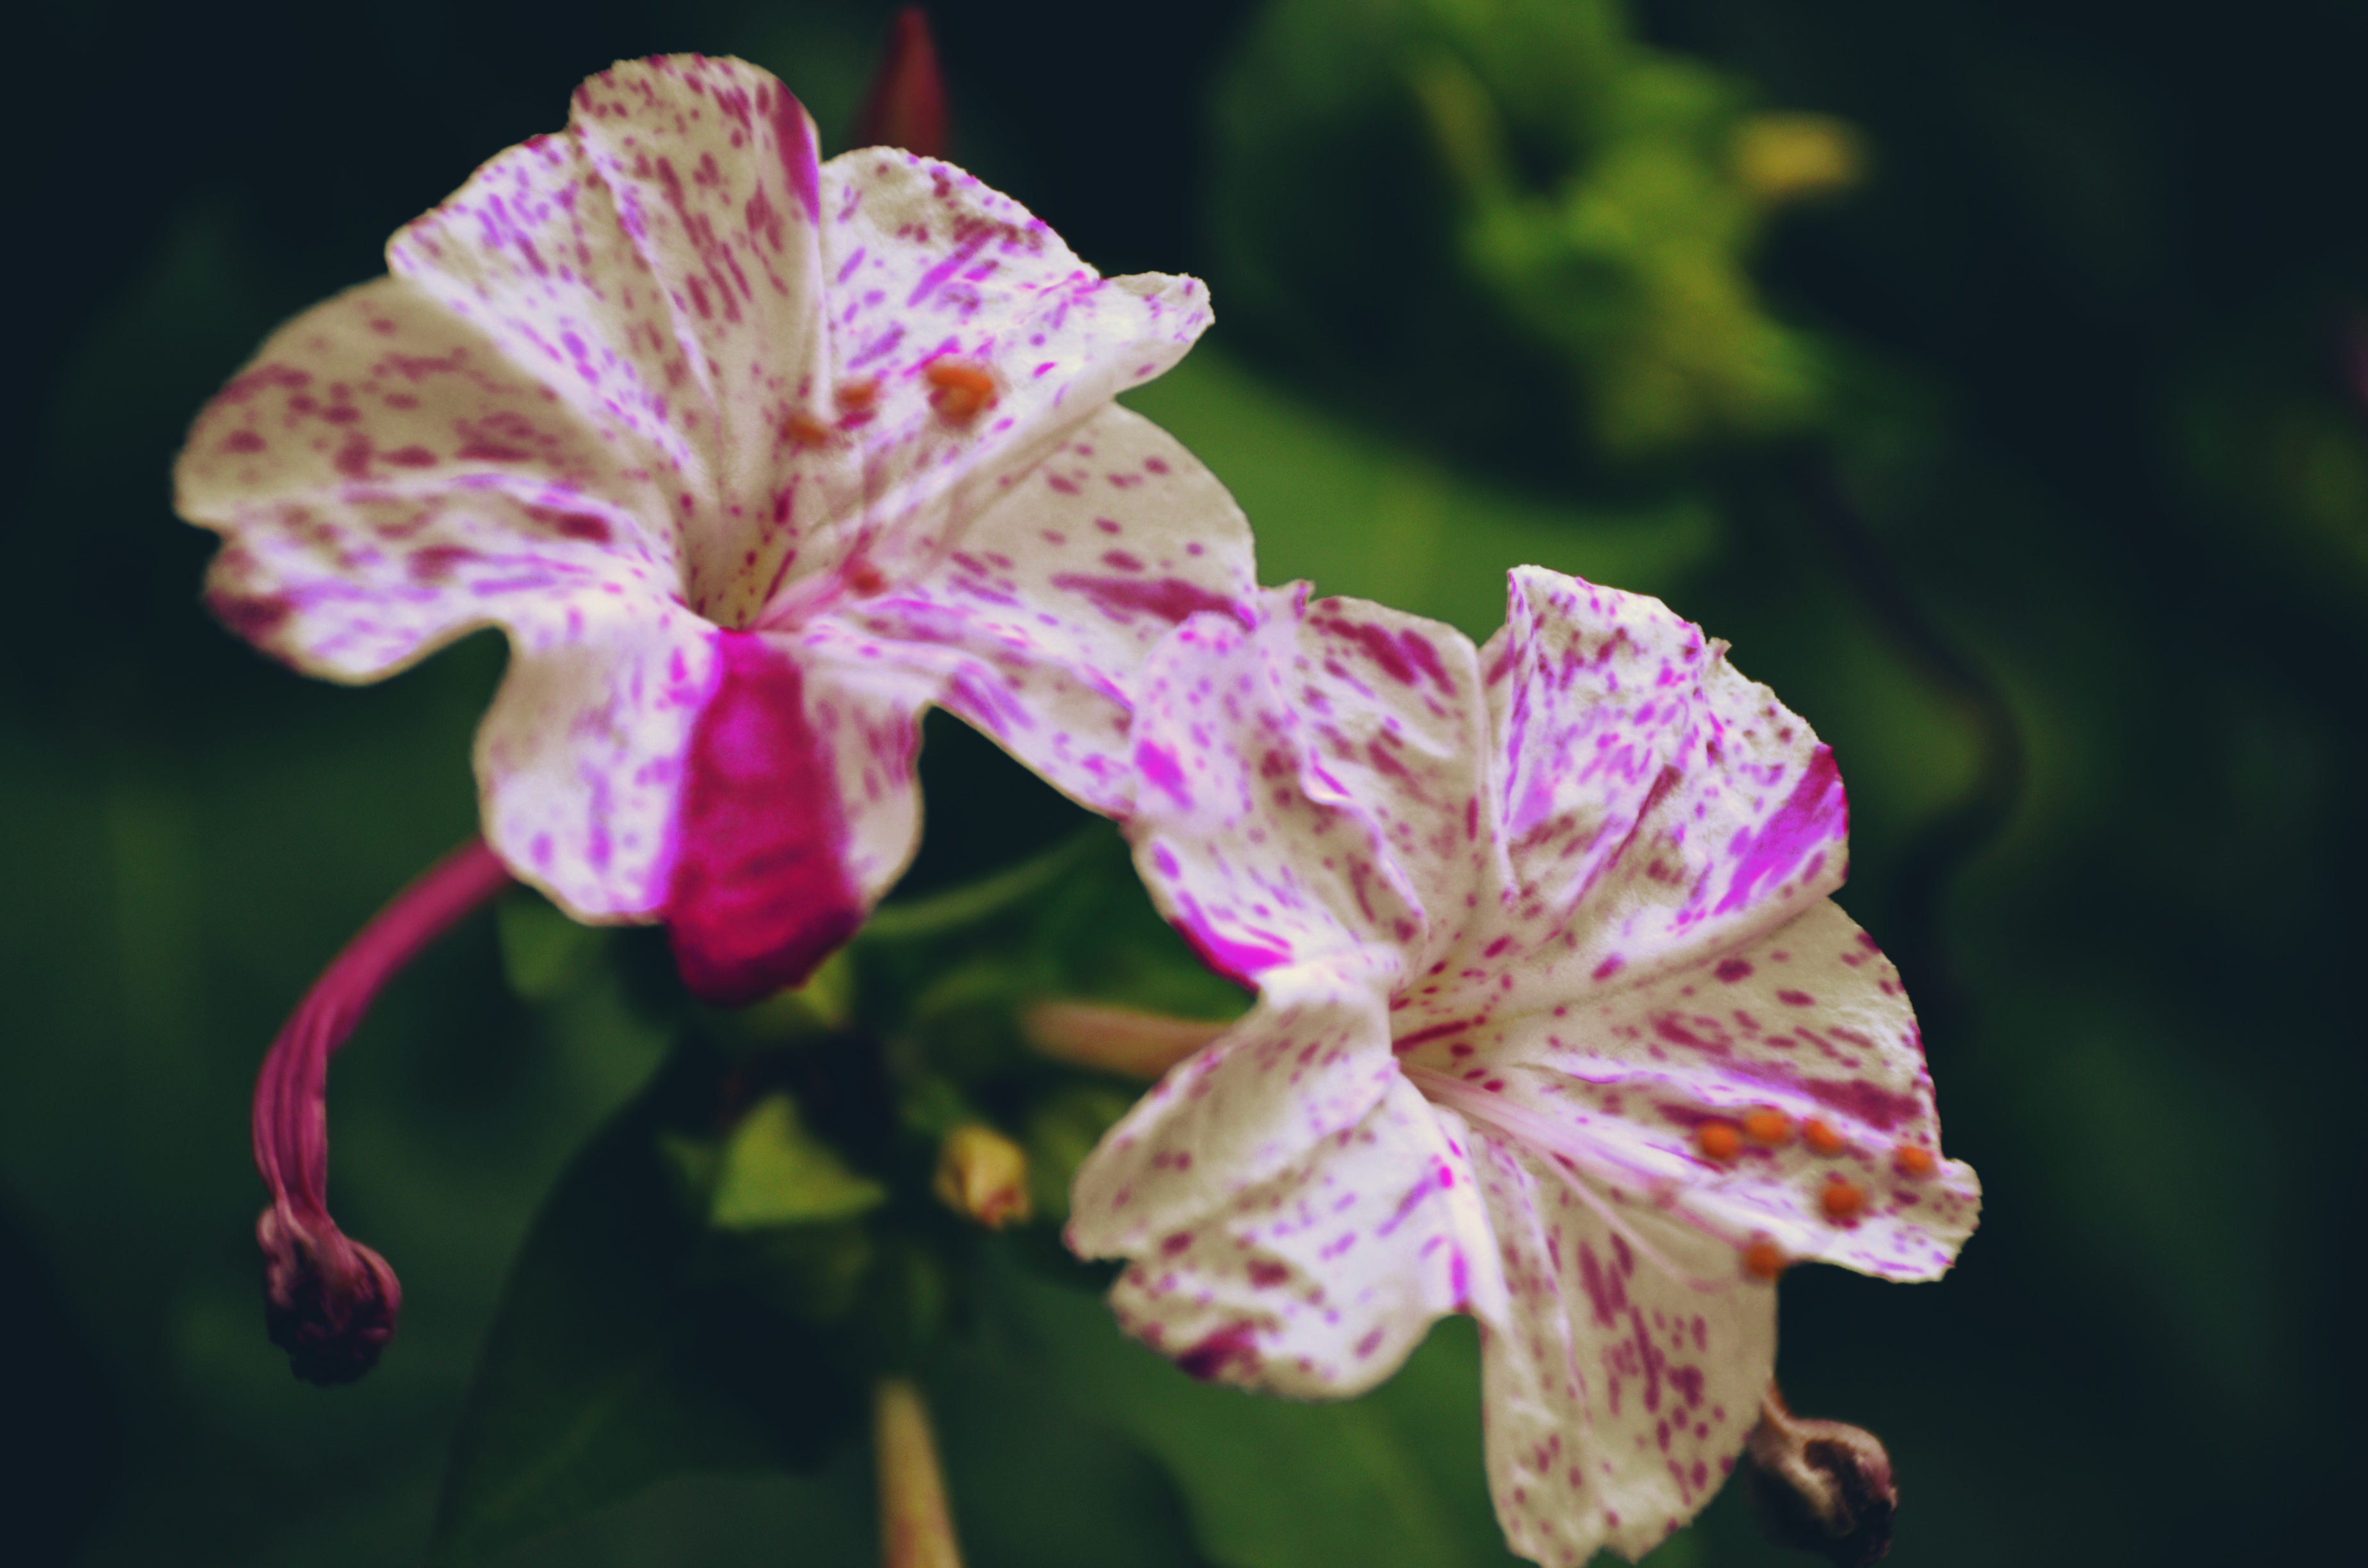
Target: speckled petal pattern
{"type": "Point", "coordinates": [1617, 1396]}
{"type": "Point", "coordinates": [579, 759]}
{"type": "Point", "coordinates": [386, 481]}
{"type": "Point", "coordinates": [1054, 597]}
{"type": "Point", "coordinates": [1307, 1064]}
{"type": "Point", "coordinates": [1253, 869]}
{"type": "Point", "coordinates": [930, 272]}
{"type": "Point", "coordinates": [1654, 804]}
{"type": "Point", "coordinates": [1809, 1022]}
{"type": "Point", "coordinates": [1320, 1281]}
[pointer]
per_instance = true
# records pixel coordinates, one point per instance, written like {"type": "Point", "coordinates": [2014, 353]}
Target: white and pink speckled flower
{"type": "Point", "coordinates": [752, 457]}
{"type": "Point", "coordinates": [1556, 1027]}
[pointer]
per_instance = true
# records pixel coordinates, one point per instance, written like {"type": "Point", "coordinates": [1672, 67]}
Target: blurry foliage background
{"type": "Point", "coordinates": [2057, 415]}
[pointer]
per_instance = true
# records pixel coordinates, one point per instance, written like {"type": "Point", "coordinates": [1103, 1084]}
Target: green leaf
{"type": "Point", "coordinates": [1036, 1481]}
{"type": "Point", "coordinates": [544, 954]}
{"type": "Point", "coordinates": [1392, 1479]}
{"type": "Point", "coordinates": [774, 1172]}
{"type": "Point", "coordinates": [605, 1370]}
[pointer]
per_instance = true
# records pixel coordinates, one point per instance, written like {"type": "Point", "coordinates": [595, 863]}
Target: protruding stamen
{"type": "Point", "coordinates": [1114, 1039]}
{"type": "Point", "coordinates": [1820, 1485]}
{"type": "Point", "coordinates": [803, 430]}
{"type": "Point", "coordinates": [329, 1302]}
{"type": "Point", "coordinates": [907, 105]}
{"type": "Point", "coordinates": [1914, 1161]}
{"type": "Point", "coordinates": [1842, 1200]}
{"type": "Point", "coordinates": [962, 390]}
{"type": "Point", "coordinates": [1763, 1260]}
{"type": "Point", "coordinates": [1821, 1139]}
{"type": "Point", "coordinates": [983, 1176]}
{"type": "Point", "coordinates": [1768, 1127]}
{"type": "Point", "coordinates": [1720, 1142]}
{"type": "Point", "coordinates": [914, 1530]}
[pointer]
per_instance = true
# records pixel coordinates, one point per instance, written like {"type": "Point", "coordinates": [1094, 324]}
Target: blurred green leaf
{"type": "Point", "coordinates": [1038, 1482]}
{"type": "Point", "coordinates": [774, 1172]}
{"type": "Point", "coordinates": [1392, 1479]}
{"type": "Point", "coordinates": [606, 1371]}
{"type": "Point", "coordinates": [1350, 510]}
{"type": "Point", "coordinates": [544, 954]}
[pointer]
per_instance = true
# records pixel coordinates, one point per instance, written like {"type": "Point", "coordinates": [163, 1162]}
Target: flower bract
{"type": "Point", "coordinates": [752, 457]}
{"type": "Point", "coordinates": [1557, 1026]}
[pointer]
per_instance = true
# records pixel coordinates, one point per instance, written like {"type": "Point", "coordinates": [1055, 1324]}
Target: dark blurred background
{"type": "Point", "coordinates": [2065, 551]}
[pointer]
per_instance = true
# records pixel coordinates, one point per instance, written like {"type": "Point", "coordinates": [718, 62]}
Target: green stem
{"type": "Point", "coordinates": [957, 907]}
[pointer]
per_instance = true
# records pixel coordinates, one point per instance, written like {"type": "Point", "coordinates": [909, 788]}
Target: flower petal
{"type": "Point", "coordinates": [1320, 1281]}
{"type": "Point", "coordinates": [1246, 864]}
{"type": "Point", "coordinates": [579, 758]}
{"type": "Point", "coordinates": [1809, 1024]}
{"type": "Point", "coordinates": [1396, 724]}
{"type": "Point", "coordinates": [1042, 618]}
{"type": "Point", "coordinates": [1616, 1396]}
{"type": "Point", "coordinates": [1306, 1064]}
{"type": "Point", "coordinates": [976, 341]}
{"type": "Point", "coordinates": [384, 481]}
{"type": "Point", "coordinates": [864, 710]}
{"type": "Point", "coordinates": [657, 263]}
{"type": "Point", "coordinates": [1655, 805]}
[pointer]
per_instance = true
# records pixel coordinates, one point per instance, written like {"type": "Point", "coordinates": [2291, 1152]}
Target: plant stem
{"type": "Point", "coordinates": [914, 1530]}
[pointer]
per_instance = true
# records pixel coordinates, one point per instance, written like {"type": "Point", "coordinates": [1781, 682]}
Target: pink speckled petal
{"type": "Point", "coordinates": [1307, 1063]}
{"type": "Point", "coordinates": [1058, 592]}
{"type": "Point", "coordinates": [579, 758]}
{"type": "Point", "coordinates": [384, 480]}
{"type": "Point", "coordinates": [657, 263]}
{"type": "Point", "coordinates": [1617, 1396]}
{"type": "Point", "coordinates": [1394, 722]}
{"type": "Point", "coordinates": [1253, 872]}
{"type": "Point", "coordinates": [865, 711]}
{"type": "Point", "coordinates": [1810, 1021]}
{"type": "Point", "coordinates": [1318, 1282]}
{"type": "Point", "coordinates": [1654, 804]}
{"type": "Point", "coordinates": [929, 271]}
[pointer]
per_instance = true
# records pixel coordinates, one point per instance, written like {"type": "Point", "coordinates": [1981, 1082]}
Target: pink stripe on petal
{"type": "Point", "coordinates": [761, 893]}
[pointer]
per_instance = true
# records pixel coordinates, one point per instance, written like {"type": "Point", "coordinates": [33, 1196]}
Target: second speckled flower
{"type": "Point", "coordinates": [1556, 1027]}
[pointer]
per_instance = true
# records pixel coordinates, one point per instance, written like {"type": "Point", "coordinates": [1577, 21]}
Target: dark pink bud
{"type": "Point", "coordinates": [1820, 1485]}
{"type": "Point", "coordinates": [907, 105]}
{"type": "Point", "coordinates": [329, 1302]}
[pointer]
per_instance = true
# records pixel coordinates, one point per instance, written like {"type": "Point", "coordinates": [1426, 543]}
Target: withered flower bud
{"type": "Point", "coordinates": [983, 1176]}
{"type": "Point", "coordinates": [1820, 1485]}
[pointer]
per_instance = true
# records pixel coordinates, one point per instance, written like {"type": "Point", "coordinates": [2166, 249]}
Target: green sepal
{"type": "Point", "coordinates": [772, 1172]}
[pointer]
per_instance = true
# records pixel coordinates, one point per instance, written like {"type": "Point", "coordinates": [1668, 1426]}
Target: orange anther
{"type": "Point", "coordinates": [854, 396]}
{"type": "Point", "coordinates": [964, 390]}
{"type": "Point", "coordinates": [1842, 1201]}
{"type": "Point", "coordinates": [864, 578]}
{"type": "Point", "coordinates": [1768, 1126]}
{"type": "Point", "coordinates": [1719, 1140]}
{"type": "Point", "coordinates": [803, 429]}
{"type": "Point", "coordinates": [1763, 1260]}
{"type": "Point", "coordinates": [1821, 1139]}
{"type": "Point", "coordinates": [1914, 1161]}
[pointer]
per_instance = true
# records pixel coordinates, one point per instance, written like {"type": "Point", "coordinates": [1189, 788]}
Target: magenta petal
{"type": "Point", "coordinates": [760, 893]}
